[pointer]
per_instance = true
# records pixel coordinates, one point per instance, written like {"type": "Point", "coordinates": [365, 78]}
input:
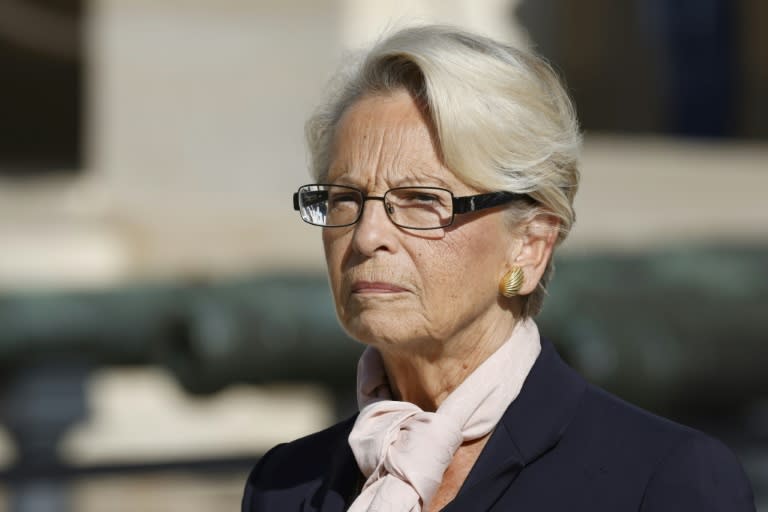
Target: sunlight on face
{"type": "Point", "coordinates": [394, 287]}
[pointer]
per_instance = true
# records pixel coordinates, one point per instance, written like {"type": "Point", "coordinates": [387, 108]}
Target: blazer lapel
{"type": "Point", "coordinates": [532, 424]}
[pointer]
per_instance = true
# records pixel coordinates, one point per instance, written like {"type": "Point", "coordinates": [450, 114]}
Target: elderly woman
{"type": "Point", "coordinates": [446, 166]}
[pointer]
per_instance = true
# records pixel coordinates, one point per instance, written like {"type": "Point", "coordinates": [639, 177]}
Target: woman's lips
{"type": "Point", "coordinates": [376, 287]}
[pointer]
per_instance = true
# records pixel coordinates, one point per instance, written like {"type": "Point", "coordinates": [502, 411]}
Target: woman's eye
{"type": "Point", "coordinates": [343, 199]}
{"type": "Point", "coordinates": [422, 198]}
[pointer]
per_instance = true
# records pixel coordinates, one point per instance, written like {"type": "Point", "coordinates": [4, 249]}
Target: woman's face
{"type": "Point", "coordinates": [398, 287]}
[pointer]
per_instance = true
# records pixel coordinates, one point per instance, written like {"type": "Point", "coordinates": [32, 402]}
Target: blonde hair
{"type": "Point", "coordinates": [502, 118]}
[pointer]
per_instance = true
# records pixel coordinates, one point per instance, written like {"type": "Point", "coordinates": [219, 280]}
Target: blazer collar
{"type": "Point", "coordinates": [532, 424]}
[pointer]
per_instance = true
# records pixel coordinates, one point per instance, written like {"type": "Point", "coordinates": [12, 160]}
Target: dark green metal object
{"type": "Point", "coordinates": [264, 329]}
{"type": "Point", "coordinates": [687, 326]}
{"type": "Point", "coordinates": [677, 331]}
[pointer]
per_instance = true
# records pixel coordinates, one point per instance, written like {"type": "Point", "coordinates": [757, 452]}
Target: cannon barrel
{"type": "Point", "coordinates": [262, 329]}
{"type": "Point", "coordinates": [684, 328]}
{"type": "Point", "coordinates": [662, 329]}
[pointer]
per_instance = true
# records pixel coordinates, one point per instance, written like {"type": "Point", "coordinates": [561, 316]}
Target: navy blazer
{"type": "Point", "coordinates": [562, 445]}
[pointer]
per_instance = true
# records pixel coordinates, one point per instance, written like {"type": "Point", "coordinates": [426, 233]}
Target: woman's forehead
{"type": "Point", "coordinates": [385, 141]}
{"type": "Point", "coordinates": [374, 173]}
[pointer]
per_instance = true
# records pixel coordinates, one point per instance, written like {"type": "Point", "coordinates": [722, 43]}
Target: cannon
{"type": "Point", "coordinates": [681, 332]}
{"type": "Point", "coordinates": [661, 328]}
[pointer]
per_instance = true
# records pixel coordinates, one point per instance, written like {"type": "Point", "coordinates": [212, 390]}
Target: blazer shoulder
{"type": "Point", "coordinates": [684, 468]}
{"type": "Point", "coordinates": [303, 459]}
{"type": "Point", "coordinates": [290, 472]}
{"type": "Point", "coordinates": [699, 473]}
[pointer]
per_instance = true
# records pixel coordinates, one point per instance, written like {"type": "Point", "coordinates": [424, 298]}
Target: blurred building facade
{"type": "Point", "coordinates": [190, 127]}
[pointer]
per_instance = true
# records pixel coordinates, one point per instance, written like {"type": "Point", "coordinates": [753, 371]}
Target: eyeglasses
{"type": "Point", "coordinates": [335, 206]}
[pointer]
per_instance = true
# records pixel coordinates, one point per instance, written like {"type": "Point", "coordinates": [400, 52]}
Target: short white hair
{"type": "Point", "coordinates": [502, 118]}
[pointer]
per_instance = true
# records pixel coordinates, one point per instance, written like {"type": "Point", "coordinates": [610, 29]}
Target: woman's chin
{"type": "Point", "coordinates": [379, 328]}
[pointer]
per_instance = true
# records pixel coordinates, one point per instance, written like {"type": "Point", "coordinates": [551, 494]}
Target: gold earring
{"type": "Point", "coordinates": [512, 282]}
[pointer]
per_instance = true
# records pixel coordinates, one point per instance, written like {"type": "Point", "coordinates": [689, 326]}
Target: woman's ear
{"type": "Point", "coordinates": [537, 241]}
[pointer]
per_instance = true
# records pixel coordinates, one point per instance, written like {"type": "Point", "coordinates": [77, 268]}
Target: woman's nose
{"type": "Point", "coordinates": [374, 231]}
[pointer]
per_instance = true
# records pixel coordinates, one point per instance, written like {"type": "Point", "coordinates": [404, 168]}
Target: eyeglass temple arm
{"type": "Point", "coordinates": [468, 204]}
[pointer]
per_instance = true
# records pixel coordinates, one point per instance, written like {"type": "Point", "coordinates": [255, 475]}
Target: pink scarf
{"type": "Point", "coordinates": [404, 451]}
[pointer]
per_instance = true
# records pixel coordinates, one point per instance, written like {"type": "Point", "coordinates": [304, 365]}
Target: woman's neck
{"type": "Point", "coordinates": [426, 373]}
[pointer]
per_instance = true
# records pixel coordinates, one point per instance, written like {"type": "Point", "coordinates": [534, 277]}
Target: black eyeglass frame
{"type": "Point", "coordinates": [460, 205]}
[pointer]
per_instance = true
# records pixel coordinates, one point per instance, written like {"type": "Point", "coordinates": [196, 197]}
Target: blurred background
{"type": "Point", "coordinates": [164, 315]}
